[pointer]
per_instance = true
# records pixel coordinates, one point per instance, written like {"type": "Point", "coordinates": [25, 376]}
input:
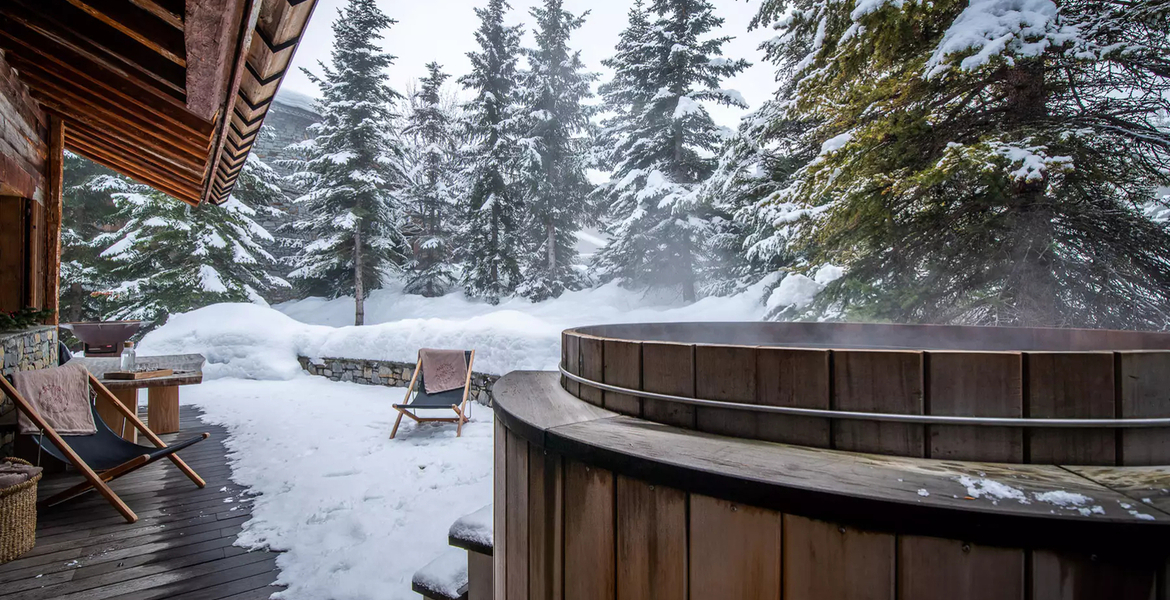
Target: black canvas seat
{"type": "Point", "coordinates": [418, 399]}
{"type": "Point", "coordinates": [105, 449]}
{"type": "Point", "coordinates": [102, 456]}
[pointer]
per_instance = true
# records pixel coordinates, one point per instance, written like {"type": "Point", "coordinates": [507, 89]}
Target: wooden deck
{"type": "Point", "coordinates": [180, 548]}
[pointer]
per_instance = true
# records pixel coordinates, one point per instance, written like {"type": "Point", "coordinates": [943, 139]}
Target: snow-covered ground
{"type": "Point", "coordinates": [354, 512]}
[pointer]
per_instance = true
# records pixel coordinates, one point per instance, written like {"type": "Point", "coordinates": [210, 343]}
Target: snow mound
{"type": "Point", "coordinates": [992, 489]}
{"type": "Point", "coordinates": [247, 341]}
{"type": "Point", "coordinates": [799, 291]}
{"type": "Point", "coordinates": [255, 342]}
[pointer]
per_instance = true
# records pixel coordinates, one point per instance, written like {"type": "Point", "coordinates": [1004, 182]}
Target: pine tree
{"type": "Point", "coordinates": [757, 162]}
{"type": "Point", "coordinates": [88, 208]}
{"type": "Point", "coordinates": [980, 161]}
{"type": "Point", "coordinates": [489, 237]}
{"type": "Point", "coordinates": [555, 153]}
{"type": "Point", "coordinates": [168, 257]}
{"type": "Point", "coordinates": [352, 168]}
{"type": "Point", "coordinates": [258, 187]}
{"type": "Point", "coordinates": [660, 143]}
{"type": "Point", "coordinates": [431, 192]}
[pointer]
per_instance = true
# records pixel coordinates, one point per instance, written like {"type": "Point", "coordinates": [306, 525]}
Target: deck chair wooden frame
{"type": "Point", "coordinates": [460, 409]}
{"type": "Point", "coordinates": [93, 479]}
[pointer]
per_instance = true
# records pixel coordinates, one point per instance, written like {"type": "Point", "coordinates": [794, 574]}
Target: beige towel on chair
{"type": "Point", "coordinates": [443, 370]}
{"type": "Point", "coordinates": [60, 395]}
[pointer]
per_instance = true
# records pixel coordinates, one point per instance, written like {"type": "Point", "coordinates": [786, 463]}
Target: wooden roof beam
{"type": "Point", "coordinates": [166, 13]}
{"type": "Point", "coordinates": [58, 93]}
{"type": "Point", "coordinates": [66, 90]}
{"type": "Point", "coordinates": [133, 134]}
{"type": "Point", "coordinates": [142, 26]}
{"type": "Point", "coordinates": [143, 160]}
{"type": "Point", "coordinates": [136, 172]}
{"type": "Point", "coordinates": [213, 30]}
{"type": "Point", "coordinates": [34, 46]}
{"type": "Point", "coordinates": [81, 32]}
{"type": "Point", "coordinates": [186, 172]}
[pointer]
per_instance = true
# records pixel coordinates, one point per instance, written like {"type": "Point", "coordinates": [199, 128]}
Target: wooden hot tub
{"type": "Point", "coordinates": [610, 484]}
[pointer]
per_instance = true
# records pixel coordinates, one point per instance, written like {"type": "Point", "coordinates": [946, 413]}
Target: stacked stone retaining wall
{"type": "Point", "coordinates": [24, 350]}
{"type": "Point", "coordinates": [387, 373]}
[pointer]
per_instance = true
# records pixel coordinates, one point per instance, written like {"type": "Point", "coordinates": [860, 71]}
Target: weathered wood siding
{"type": "Point", "coordinates": [25, 240]}
{"type": "Point", "coordinates": [24, 134]}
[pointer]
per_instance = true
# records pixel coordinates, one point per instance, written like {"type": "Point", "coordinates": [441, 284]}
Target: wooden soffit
{"type": "Point", "coordinates": [168, 92]}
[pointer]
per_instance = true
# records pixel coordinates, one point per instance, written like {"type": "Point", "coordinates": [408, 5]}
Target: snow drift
{"type": "Point", "coordinates": [254, 342]}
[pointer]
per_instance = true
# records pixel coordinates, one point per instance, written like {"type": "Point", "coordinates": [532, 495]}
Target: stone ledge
{"type": "Point", "coordinates": [23, 350]}
{"type": "Point", "coordinates": [386, 373]}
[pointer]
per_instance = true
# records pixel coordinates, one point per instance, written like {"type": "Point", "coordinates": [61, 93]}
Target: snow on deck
{"type": "Point", "coordinates": [355, 513]}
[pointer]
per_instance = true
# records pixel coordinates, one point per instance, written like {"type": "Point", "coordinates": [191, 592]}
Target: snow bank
{"type": "Point", "coordinates": [238, 340]}
{"type": "Point", "coordinates": [254, 342]}
{"type": "Point", "coordinates": [355, 513]}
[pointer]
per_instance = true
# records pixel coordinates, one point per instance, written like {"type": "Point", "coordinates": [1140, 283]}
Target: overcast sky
{"type": "Point", "coordinates": [443, 31]}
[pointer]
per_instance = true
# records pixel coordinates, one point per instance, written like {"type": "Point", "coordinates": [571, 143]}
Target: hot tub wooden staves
{"type": "Point", "coordinates": [604, 495]}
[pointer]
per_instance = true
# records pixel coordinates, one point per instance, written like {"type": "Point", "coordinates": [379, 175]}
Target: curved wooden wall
{"type": "Point", "coordinates": [572, 525]}
{"type": "Point", "coordinates": [928, 370]}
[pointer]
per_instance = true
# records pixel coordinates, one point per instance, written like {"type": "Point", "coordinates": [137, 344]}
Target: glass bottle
{"type": "Point", "coordinates": [129, 359]}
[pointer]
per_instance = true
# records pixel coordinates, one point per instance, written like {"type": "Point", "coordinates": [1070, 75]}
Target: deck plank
{"type": "Point", "coordinates": [181, 546]}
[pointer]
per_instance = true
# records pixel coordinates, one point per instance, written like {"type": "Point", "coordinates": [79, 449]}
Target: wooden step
{"type": "Point", "coordinates": [444, 578]}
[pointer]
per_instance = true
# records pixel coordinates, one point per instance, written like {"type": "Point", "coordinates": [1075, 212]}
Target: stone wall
{"type": "Point", "coordinates": [387, 373]}
{"type": "Point", "coordinates": [25, 350]}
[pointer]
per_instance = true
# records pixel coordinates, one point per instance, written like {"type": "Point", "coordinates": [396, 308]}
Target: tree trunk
{"type": "Point", "coordinates": [552, 246]}
{"type": "Point", "coordinates": [1035, 291]}
{"type": "Point", "coordinates": [78, 300]}
{"type": "Point", "coordinates": [359, 287]}
{"type": "Point", "coordinates": [495, 252]}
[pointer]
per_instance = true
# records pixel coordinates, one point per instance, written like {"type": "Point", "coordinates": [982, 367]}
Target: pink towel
{"type": "Point", "coordinates": [443, 370]}
{"type": "Point", "coordinates": [60, 395]}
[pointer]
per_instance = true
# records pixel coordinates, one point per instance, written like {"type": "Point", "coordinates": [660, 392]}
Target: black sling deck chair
{"type": "Point", "coordinates": [450, 400]}
{"type": "Point", "coordinates": [102, 456]}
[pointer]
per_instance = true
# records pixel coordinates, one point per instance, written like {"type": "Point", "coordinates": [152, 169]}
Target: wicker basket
{"type": "Point", "coordinates": [18, 517]}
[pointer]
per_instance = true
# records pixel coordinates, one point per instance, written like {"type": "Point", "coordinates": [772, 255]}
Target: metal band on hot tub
{"type": "Point", "coordinates": [870, 416]}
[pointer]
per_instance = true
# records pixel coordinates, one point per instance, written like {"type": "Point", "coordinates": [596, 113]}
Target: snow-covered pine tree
{"type": "Point", "coordinates": [660, 144]}
{"type": "Point", "coordinates": [259, 186]}
{"type": "Point", "coordinates": [489, 238]}
{"type": "Point", "coordinates": [88, 208]}
{"type": "Point", "coordinates": [981, 161]}
{"type": "Point", "coordinates": [756, 163]}
{"type": "Point", "coordinates": [168, 257]}
{"type": "Point", "coordinates": [626, 95]}
{"type": "Point", "coordinates": [430, 194]}
{"type": "Point", "coordinates": [555, 152]}
{"type": "Point", "coordinates": [352, 168]}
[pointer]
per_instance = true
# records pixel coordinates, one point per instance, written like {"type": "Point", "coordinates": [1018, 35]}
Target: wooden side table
{"type": "Point", "coordinates": [162, 412]}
